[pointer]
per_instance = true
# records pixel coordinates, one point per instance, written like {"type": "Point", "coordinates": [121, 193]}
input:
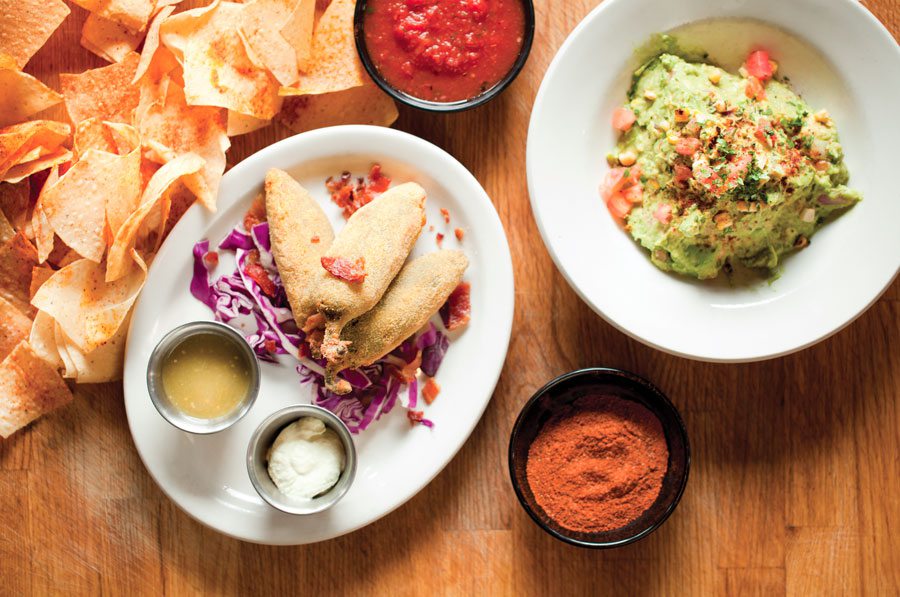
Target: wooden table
{"type": "Point", "coordinates": [794, 487]}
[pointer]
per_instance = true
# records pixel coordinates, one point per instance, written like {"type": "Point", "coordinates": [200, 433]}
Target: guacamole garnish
{"type": "Point", "coordinates": [714, 169]}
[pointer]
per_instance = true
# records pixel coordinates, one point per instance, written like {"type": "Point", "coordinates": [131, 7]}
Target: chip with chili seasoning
{"type": "Point", "coordinates": [345, 269]}
{"type": "Point", "coordinates": [29, 388]}
{"type": "Point", "coordinates": [364, 104]}
{"type": "Point", "coordinates": [23, 95]}
{"type": "Point", "coordinates": [27, 143]}
{"type": "Point", "coordinates": [456, 312]}
{"type": "Point", "coordinates": [108, 39]}
{"type": "Point", "coordinates": [106, 93]}
{"type": "Point", "coordinates": [25, 25]}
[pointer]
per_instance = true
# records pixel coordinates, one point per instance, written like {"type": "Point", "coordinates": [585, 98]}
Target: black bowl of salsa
{"type": "Point", "coordinates": [443, 55]}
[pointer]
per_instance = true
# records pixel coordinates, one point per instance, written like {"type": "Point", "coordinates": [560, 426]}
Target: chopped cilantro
{"type": "Point", "coordinates": [725, 150]}
{"type": "Point", "coordinates": [627, 173]}
{"type": "Point", "coordinates": [644, 179]}
{"type": "Point", "coordinates": [807, 141]}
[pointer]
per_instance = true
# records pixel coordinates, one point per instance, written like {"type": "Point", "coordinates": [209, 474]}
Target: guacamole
{"type": "Point", "coordinates": [714, 169]}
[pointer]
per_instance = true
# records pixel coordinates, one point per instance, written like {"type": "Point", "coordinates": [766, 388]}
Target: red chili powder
{"type": "Point", "coordinates": [599, 464]}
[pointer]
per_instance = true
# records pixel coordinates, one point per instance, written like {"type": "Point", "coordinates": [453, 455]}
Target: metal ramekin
{"type": "Point", "coordinates": [158, 395]}
{"type": "Point", "coordinates": [257, 462]}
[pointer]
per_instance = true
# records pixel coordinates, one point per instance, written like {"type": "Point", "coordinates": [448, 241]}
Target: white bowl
{"type": "Point", "coordinates": [839, 57]}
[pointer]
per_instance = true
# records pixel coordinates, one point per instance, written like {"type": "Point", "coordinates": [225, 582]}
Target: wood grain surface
{"type": "Point", "coordinates": [794, 487]}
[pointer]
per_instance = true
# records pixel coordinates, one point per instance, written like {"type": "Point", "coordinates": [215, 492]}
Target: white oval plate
{"type": "Point", "coordinates": [838, 56]}
{"type": "Point", "coordinates": [207, 475]}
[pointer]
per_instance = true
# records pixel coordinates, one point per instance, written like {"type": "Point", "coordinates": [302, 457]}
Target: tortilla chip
{"type": "Point", "coordinates": [107, 39]}
{"type": "Point", "coordinates": [25, 25]}
{"type": "Point", "coordinates": [131, 14]}
{"type": "Point", "coordinates": [336, 65]}
{"type": "Point", "coordinates": [15, 202]}
{"type": "Point", "coordinates": [219, 72]}
{"type": "Point", "coordinates": [93, 134]}
{"type": "Point", "coordinates": [14, 327]}
{"type": "Point", "coordinates": [105, 93]}
{"type": "Point", "coordinates": [164, 116]}
{"type": "Point", "coordinates": [23, 95]}
{"type": "Point", "coordinates": [29, 140]}
{"type": "Point", "coordinates": [88, 309]}
{"type": "Point", "coordinates": [42, 339]}
{"type": "Point", "coordinates": [367, 104]}
{"type": "Point", "coordinates": [39, 275]}
{"type": "Point", "coordinates": [40, 224]}
{"type": "Point", "coordinates": [29, 388]}
{"type": "Point", "coordinates": [20, 172]}
{"type": "Point", "coordinates": [151, 55]}
{"type": "Point", "coordinates": [17, 258]}
{"type": "Point", "coordinates": [298, 31]}
{"type": "Point", "coordinates": [7, 232]}
{"type": "Point", "coordinates": [118, 261]}
{"type": "Point", "coordinates": [103, 364]}
{"type": "Point", "coordinates": [261, 23]}
{"type": "Point", "coordinates": [76, 205]}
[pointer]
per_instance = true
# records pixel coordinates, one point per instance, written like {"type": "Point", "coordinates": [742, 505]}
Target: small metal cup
{"type": "Point", "coordinates": [264, 437]}
{"type": "Point", "coordinates": [161, 401]}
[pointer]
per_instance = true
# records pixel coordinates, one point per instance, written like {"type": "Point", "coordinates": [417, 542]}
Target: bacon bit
{"type": "Point", "coordinates": [314, 340]}
{"type": "Point", "coordinates": [304, 350]}
{"type": "Point", "coordinates": [439, 239]}
{"type": "Point", "coordinates": [456, 312]}
{"type": "Point", "coordinates": [446, 215]}
{"type": "Point", "coordinates": [755, 89]}
{"type": "Point", "coordinates": [256, 214]}
{"type": "Point", "coordinates": [431, 390]}
{"type": "Point", "coordinates": [687, 146]}
{"type": "Point", "coordinates": [431, 228]}
{"type": "Point", "coordinates": [343, 268]}
{"type": "Point", "coordinates": [315, 240]}
{"type": "Point", "coordinates": [258, 274]}
{"type": "Point", "coordinates": [460, 233]}
{"type": "Point", "coordinates": [350, 195]}
{"type": "Point", "coordinates": [271, 347]}
{"type": "Point", "coordinates": [622, 119]}
{"type": "Point", "coordinates": [408, 372]}
{"type": "Point", "coordinates": [211, 260]}
{"type": "Point", "coordinates": [683, 173]}
{"type": "Point", "coordinates": [415, 416]}
{"type": "Point", "coordinates": [313, 322]}
{"type": "Point", "coordinates": [663, 213]}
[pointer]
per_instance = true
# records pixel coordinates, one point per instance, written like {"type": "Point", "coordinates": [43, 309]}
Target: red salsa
{"type": "Point", "coordinates": [444, 50]}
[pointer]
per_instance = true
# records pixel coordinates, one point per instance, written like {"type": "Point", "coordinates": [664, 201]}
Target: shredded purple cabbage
{"type": "Point", "coordinates": [269, 326]}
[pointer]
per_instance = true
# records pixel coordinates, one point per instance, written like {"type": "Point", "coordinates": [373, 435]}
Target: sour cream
{"type": "Point", "coordinates": [306, 459]}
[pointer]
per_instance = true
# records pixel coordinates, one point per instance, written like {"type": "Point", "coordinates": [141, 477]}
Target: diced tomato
{"type": "Point", "coordinates": [622, 119]}
{"type": "Point", "coordinates": [737, 168]}
{"type": "Point", "coordinates": [754, 89]}
{"type": "Point", "coordinates": [460, 233]}
{"type": "Point", "coordinates": [431, 390]}
{"type": "Point", "coordinates": [211, 260]}
{"type": "Point", "coordinates": [457, 311]}
{"type": "Point", "coordinates": [764, 131]}
{"type": "Point", "coordinates": [633, 193]}
{"type": "Point", "coordinates": [663, 213]}
{"type": "Point", "coordinates": [343, 268]}
{"type": "Point", "coordinates": [688, 146]}
{"type": "Point", "coordinates": [271, 347]}
{"type": "Point", "coordinates": [415, 416]}
{"type": "Point", "coordinates": [257, 273]}
{"type": "Point", "coordinates": [612, 182]}
{"type": "Point", "coordinates": [446, 215]}
{"type": "Point", "coordinates": [256, 214]}
{"type": "Point", "coordinates": [683, 173]}
{"type": "Point", "coordinates": [439, 239]}
{"type": "Point", "coordinates": [759, 65]}
{"type": "Point", "coordinates": [618, 206]}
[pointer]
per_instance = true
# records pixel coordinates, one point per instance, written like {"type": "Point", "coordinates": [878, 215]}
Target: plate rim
{"type": "Point", "coordinates": [502, 329]}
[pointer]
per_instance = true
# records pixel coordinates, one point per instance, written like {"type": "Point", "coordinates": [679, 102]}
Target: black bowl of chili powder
{"type": "Point", "coordinates": [599, 458]}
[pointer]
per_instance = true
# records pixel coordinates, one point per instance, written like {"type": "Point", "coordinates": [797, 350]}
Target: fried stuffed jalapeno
{"type": "Point", "coordinates": [416, 294]}
{"type": "Point", "coordinates": [364, 258]}
{"type": "Point", "coordinates": [300, 234]}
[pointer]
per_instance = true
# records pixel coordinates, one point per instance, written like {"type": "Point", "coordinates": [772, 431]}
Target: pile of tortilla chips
{"type": "Point", "coordinates": [85, 204]}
